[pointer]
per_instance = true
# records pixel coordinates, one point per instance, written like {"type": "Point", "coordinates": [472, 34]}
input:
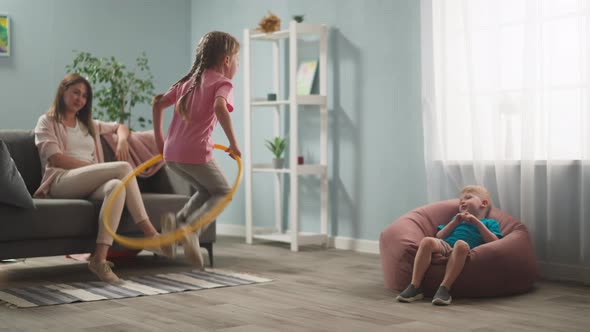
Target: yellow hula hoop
{"type": "Point", "coordinates": [179, 233]}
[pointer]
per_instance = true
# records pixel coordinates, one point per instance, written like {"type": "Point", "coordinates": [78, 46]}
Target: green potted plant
{"type": "Point", "coordinates": [277, 146]}
{"type": "Point", "coordinates": [116, 89]}
{"type": "Point", "coordinates": [298, 18]}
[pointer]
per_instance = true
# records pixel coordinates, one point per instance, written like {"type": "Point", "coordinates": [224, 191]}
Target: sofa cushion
{"type": "Point", "coordinates": [52, 218]}
{"type": "Point", "coordinates": [71, 218]}
{"type": "Point", "coordinates": [109, 155]}
{"type": "Point", "coordinates": [21, 144]}
{"type": "Point", "coordinates": [14, 191]}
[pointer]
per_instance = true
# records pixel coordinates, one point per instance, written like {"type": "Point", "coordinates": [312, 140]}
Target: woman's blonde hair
{"type": "Point", "coordinates": [480, 192]}
{"type": "Point", "coordinates": [212, 48]}
{"type": "Point", "coordinates": [58, 107]}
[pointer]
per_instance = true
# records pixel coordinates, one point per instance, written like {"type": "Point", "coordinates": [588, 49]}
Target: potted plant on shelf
{"type": "Point", "coordinates": [277, 146]}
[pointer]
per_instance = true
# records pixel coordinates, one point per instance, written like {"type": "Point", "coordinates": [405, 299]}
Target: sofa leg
{"type": "Point", "coordinates": [209, 247]}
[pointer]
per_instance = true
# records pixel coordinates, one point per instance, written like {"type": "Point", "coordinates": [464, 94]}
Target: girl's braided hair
{"type": "Point", "coordinates": [212, 48]}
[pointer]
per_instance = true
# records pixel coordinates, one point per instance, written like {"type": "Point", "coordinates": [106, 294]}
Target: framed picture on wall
{"type": "Point", "coordinates": [4, 35]}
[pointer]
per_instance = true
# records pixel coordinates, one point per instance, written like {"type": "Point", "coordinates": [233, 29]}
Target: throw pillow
{"type": "Point", "coordinates": [14, 191]}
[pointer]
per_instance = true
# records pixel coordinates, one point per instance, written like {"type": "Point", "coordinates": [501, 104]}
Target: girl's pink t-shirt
{"type": "Point", "coordinates": [190, 141]}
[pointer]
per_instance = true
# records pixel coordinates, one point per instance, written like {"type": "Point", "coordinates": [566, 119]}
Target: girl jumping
{"type": "Point", "coordinates": [201, 98]}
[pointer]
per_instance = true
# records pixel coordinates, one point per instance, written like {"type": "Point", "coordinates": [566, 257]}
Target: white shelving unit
{"type": "Point", "coordinates": [292, 235]}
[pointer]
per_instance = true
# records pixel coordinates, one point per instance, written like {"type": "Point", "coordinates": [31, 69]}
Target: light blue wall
{"type": "Point", "coordinates": [376, 156]}
{"type": "Point", "coordinates": [46, 31]}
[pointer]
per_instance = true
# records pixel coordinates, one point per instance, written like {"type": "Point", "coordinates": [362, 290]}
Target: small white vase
{"type": "Point", "coordinates": [277, 163]}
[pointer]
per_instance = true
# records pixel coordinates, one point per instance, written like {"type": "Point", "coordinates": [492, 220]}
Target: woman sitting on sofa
{"type": "Point", "coordinates": [73, 166]}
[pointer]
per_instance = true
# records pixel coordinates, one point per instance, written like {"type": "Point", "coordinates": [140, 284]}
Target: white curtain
{"type": "Point", "coordinates": [506, 105]}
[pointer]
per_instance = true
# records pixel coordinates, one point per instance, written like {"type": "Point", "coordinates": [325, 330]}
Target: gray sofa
{"type": "Point", "coordinates": [69, 226]}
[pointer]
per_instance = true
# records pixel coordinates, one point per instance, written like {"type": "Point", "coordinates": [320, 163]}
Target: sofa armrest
{"type": "Point", "coordinates": [168, 182]}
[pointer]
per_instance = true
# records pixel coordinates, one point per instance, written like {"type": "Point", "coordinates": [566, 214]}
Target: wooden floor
{"type": "Point", "coordinates": [313, 290]}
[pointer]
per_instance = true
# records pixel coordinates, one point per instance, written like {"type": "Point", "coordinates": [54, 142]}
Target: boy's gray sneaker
{"type": "Point", "coordinates": [442, 296]}
{"type": "Point", "coordinates": [410, 294]}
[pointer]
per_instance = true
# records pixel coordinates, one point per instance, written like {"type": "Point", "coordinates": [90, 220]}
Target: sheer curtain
{"type": "Point", "coordinates": [506, 105]}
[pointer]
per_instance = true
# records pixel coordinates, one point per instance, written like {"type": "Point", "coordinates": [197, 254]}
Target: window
{"type": "Point", "coordinates": [510, 79]}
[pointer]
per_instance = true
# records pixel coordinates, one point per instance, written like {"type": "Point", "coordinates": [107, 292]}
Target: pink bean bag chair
{"type": "Point", "coordinates": [504, 267]}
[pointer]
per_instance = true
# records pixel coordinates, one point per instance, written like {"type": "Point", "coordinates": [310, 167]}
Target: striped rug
{"type": "Point", "coordinates": [36, 296]}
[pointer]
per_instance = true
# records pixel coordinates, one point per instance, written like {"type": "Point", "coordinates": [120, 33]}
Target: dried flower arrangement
{"type": "Point", "coordinates": [269, 23]}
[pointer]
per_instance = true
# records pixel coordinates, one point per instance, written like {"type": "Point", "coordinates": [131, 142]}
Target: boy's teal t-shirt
{"type": "Point", "coordinates": [470, 234]}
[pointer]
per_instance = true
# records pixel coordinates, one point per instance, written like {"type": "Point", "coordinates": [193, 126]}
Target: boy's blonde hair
{"type": "Point", "coordinates": [481, 192]}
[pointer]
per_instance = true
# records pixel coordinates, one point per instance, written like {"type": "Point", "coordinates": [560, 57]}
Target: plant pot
{"type": "Point", "coordinates": [277, 163]}
{"type": "Point", "coordinates": [298, 18]}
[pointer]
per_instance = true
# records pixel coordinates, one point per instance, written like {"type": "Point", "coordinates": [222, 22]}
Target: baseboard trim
{"type": "Point", "coordinates": [230, 230]}
{"type": "Point", "coordinates": [358, 245]}
{"type": "Point", "coordinates": [564, 272]}
{"type": "Point", "coordinates": [338, 242]}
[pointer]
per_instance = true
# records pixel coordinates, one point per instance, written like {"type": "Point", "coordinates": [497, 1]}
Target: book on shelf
{"type": "Point", "coordinates": [305, 76]}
